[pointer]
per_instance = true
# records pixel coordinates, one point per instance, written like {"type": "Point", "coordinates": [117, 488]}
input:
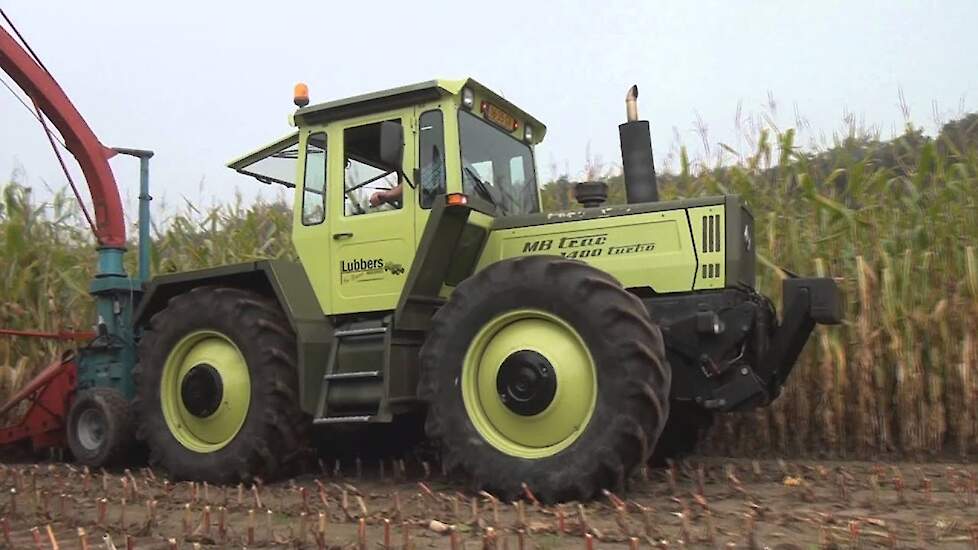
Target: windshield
{"type": "Point", "coordinates": [496, 166]}
{"type": "Point", "coordinates": [274, 163]}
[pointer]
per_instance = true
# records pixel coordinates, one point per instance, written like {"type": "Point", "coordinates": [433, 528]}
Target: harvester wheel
{"type": "Point", "coordinates": [99, 431]}
{"type": "Point", "coordinates": [217, 387]}
{"type": "Point", "coordinates": [544, 371]}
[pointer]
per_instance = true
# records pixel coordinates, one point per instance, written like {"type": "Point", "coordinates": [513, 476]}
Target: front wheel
{"type": "Point", "coordinates": [544, 371]}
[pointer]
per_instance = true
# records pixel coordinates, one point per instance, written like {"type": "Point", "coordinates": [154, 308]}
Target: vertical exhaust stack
{"type": "Point", "coordinates": [636, 154]}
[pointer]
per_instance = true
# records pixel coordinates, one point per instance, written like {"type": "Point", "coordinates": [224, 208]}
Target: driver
{"type": "Point", "coordinates": [432, 181]}
{"type": "Point", "coordinates": [387, 196]}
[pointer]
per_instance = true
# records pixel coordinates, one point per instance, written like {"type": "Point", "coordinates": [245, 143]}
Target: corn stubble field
{"type": "Point", "coordinates": [701, 503]}
{"type": "Point", "coordinates": [894, 221]}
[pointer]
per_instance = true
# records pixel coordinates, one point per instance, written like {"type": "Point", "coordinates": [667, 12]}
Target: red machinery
{"type": "Point", "coordinates": [48, 396]}
{"type": "Point", "coordinates": [92, 156]}
{"type": "Point", "coordinates": [50, 393]}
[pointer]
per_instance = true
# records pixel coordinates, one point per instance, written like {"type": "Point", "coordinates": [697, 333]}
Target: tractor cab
{"type": "Point", "coordinates": [489, 139]}
{"type": "Point", "coordinates": [367, 169]}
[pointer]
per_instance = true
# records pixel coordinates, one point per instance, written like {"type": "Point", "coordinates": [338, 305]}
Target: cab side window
{"type": "Point", "coordinates": [314, 180]}
{"type": "Point", "coordinates": [363, 173]}
{"type": "Point", "coordinates": [431, 155]}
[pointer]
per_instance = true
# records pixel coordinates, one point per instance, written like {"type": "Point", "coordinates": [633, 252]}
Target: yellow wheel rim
{"type": "Point", "coordinates": [205, 365]}
{"type": "Point", "coordinates": [564, 418]}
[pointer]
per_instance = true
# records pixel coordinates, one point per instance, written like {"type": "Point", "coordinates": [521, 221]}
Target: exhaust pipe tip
{"type": "Point", "coordinates": [631, 104]}
{"type": "Point", "coordinates": [636, 154]}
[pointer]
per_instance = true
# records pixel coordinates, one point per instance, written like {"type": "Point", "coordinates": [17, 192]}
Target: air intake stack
{"type": "Point", "coordinates": [636, 154]}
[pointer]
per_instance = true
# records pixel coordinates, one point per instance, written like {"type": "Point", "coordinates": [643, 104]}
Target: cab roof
{"type": "Point", "coordinates": [275, 162]}
{"type": "Point", "coordinates": [403, 96]}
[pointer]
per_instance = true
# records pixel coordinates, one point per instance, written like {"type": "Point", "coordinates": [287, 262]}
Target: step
{"type": "Point", "coordinates": [353, 375]}
{"type": "Point", "coordinates": [359, 332]}
{"type": "Point", "coordinates": [342, 419]}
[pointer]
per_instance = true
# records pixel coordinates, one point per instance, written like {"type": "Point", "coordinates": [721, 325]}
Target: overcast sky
{"type": "Point", "coordinates": [203, 82]}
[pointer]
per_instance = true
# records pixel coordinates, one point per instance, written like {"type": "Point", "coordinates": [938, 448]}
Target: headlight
{"type": "Point", "coordinates": [468, 98]}
{"type": "Point", "coordinates": [527, 133]}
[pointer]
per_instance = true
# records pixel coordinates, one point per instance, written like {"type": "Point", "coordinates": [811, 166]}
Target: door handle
{"type": "Point", "coordinates": [338, 236]}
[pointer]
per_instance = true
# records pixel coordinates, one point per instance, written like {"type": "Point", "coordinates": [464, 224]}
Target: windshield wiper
{"type": "Point", "coordinates": [481, 187]}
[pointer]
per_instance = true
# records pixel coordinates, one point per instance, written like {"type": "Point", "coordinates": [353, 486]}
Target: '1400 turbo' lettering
{"type": "Point", "coordinates": [584, 246]}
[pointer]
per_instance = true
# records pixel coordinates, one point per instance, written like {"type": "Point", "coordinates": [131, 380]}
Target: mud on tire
{"type": "Point", "coordinates": [626, 347]}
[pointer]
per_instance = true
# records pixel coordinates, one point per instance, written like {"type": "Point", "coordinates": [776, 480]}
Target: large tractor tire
{"type": "Point", "coordinates": [217, 387]}
{"type": "Point", "coordinates": [99, 430]}
{"type": "Point", "coordinates": [544, 371]}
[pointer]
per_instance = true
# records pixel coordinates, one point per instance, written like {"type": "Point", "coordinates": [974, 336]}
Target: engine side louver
{"type": "Point", "coordinates": [711, 233]}
{"type": "Point", "coordinates": [712, 242]}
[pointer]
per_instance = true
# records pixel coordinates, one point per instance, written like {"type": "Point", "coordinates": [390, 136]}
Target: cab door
{"type": "Point", "coordinates": [431, 167]}
{"type": "Point", "coordinates": [372, 246]}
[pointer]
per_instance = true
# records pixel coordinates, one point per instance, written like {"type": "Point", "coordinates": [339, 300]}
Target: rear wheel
{"type": "Point", "coordinates": [544, 371]}
{"type": "Point", "coordinates": [217, 387]}
{"type": "Point", "coordinates": [99, 432]}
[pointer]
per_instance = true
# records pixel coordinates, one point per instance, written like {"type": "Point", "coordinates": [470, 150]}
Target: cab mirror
{"type": "Point", "coordinates": [392, 145]}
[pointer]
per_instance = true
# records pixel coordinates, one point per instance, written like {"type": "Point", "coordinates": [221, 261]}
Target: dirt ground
{"type": "Point", "coordinates": [698, 503]}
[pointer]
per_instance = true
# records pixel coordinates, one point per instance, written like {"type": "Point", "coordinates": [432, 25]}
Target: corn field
{"type": "Point", "coordinates": [895, 222]}
{"type": "Point", "coordinates": [49, 258]}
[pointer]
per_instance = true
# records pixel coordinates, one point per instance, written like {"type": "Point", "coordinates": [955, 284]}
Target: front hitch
{"type": "Point", "coordinates": [807, 301]}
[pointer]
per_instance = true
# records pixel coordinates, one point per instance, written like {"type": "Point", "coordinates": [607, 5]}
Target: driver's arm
{"type": "Point", "coordinates": [387, 195]}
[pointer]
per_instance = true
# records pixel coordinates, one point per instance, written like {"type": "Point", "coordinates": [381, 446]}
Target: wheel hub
{"type": "Point", "coordinates": [529, 384]}
{"type": "Point", "coordinates": [526, 383]}
{"type": "Point", "coordinates": [205, 391]}
{"type": "Point", "coordinates": [91, 429]}
{"type": "Point", "coordinates": [202, 390]}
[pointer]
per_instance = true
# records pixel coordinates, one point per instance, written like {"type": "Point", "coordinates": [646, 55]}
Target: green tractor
{"type": "Point", "coordinates": [545, 348]}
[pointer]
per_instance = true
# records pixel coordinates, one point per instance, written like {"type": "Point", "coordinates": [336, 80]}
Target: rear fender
{"type": "Point", "coordinates": [283, 280]}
